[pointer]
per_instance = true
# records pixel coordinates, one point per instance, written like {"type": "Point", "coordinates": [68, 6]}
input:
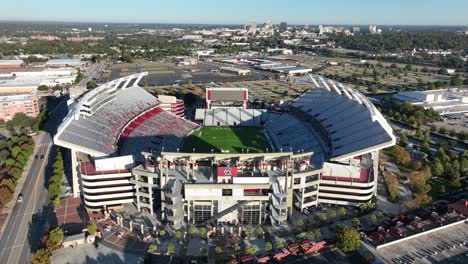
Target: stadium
{"type": "Point", "coordinates": [230, 163]}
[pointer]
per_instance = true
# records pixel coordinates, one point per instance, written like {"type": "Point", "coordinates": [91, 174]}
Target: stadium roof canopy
{"type": "Point", "coordinates": [345, 119]}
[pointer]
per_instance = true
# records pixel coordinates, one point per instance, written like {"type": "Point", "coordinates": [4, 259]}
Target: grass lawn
{"type": "Point", "coordinates": [232, 139]}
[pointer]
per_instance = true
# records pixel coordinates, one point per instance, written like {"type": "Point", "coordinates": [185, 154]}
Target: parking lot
{"type": "Point", "coordinates": [448, 245]}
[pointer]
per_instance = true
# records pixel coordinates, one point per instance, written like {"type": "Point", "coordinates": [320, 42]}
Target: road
{"type": "Point", "coordinates": [92, 72]}
{"type": "Point", "coordinates": [21, 235]}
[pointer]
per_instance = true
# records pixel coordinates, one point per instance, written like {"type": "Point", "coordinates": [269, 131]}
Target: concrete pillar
{"type": "Point", "coordinates": [142, 229]}
{"type": "Point", "coordinates": [222, 230]}
{"type": "Point", "coordinates": [75, 183]}
{"type": "Point", "coordinates": [131, 225]}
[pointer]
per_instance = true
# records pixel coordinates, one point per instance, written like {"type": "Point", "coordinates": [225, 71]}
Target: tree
{"type": "Point", "coordinates": [237, 248]}
{"type": "Point", "coordinates": [202, 231]}
{"type": "Point", "coordinates": [332, 214]}
{"type": "Point", "coordinates": [249, 229]}
{"type": "Point", "coordinates": [342, 211]}
{"type": "Point", "coordinates": [203, 251]}
{"type": "Point", "coordinates": [301, 223]}
{"type": "Point", "coordinates": [356, 221]}
{"type": "Point", "coordinates": [403, 140]}
{"type": "Point", "coordinates": [43, 88]}
{"type": "Point", "coordinates": [373, 219]}
{"type": "Point", "coordinates": [347, 238]}
{"type": "Point", "coordinates": [171, 249]}
{"type": "Point", "coordinates": [41, 256]}
{"type": "Point", "coordinates": [152, 247]}
{"type": "Point", "coordinates": [443, 71]}
{"type": "Point", "coordinates": [268, 246]}
{"type": "Point", "coordinates": [92, 228]}
{"type": "Point", "coordinates": [218, 250]}
{"type": "Point", "coordinates": [91, 84]}
{"type": "Point", "coordinates": [393, 186]}
{"type": "Point", "coordinates": [252, 250]}
{"type": "Point", "coordinates": [55, 237]}
{"type": "Point", "coordinates": [279, 244]}
{"type": "Point", "coordinates": [321, 218]}
{"type": "Point", "coordinates": [57, 201]}
{"type": "Point", "coordinates": [310, 235]}
{"type": "Point", "coordinates": [260, 231]}
{"type": "Point", "coordinates": [178, 234]}
{"type": "Point", "coordinates": [191, 230]}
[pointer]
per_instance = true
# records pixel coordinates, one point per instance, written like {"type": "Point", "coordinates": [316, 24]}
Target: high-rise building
{"type": "Point", "coordinates": [283, 26]}
{"type": "Point", "coordinates": [252, 27]}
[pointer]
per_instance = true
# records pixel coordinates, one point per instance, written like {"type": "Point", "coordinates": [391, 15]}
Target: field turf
{"type": "Point", "coordinates": [232, 139]}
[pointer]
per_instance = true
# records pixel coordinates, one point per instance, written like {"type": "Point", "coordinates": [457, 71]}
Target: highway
{"type": "Point", "coordinates": [21, 235]}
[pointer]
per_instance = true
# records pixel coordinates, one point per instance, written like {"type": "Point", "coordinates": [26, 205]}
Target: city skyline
{"type": "Point", "coordinates": [209, 12]}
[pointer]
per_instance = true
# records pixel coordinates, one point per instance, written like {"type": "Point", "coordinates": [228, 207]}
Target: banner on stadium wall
{"type": "Point", "coordinates": [227, 171]}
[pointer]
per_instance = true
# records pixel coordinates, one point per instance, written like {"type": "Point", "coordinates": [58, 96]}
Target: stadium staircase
{"type": "Point", "coordinates": [223, 213]}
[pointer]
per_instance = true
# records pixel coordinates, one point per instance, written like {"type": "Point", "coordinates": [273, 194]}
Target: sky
{"type": "Point", "coordinates": [313, 12]}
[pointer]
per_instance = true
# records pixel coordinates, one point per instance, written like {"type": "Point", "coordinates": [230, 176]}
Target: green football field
{"type": "Point", "coordinates": [232, 139]}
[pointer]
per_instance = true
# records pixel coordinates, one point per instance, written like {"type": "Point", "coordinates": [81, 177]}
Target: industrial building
{"type": "Point", "coordinates": [236, 71]}
{"type": "Point", "coordinates": [450, 101]}
{"type": "Point", "coordinates": [126, 149]}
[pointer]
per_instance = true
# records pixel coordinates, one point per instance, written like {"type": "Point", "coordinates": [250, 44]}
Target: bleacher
{"type": "Point", "coordinates": [349, 124]}
{"type": "Point", "coordinates": [288, 133]}
{"type": "Point", "coordinates": [99, 132]}
{"type": "Point", "coordinates": [231, 116]}
{"type": "Point", "coordinates": [154, 131]}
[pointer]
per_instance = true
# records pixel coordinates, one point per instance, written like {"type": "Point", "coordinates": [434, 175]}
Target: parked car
{"type": "Point", "coordinates": [20, 198]}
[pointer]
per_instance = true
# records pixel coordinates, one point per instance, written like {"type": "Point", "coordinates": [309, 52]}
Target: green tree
{"type": "Point", "coordinates": [342, 211]}
{"type": "Point", "coordinates": [347, 238]}
{"type": "Point", "coordinates": [191, 230]}
{"type": "Point", "coordinates": [260, 231]}
{"type": "Point", "coordinates": [373, 219]}
{"type": "Point", "coordinates": [57, 201]}
{"type": "Point", "coordinates": [332, 214]}
{"type": "Point", "coordinates": [403, 140]}
{"type": "Point", "coordinates": [252, 250]}
{"type": "Point", "coordinates": [56, 237]}
{"type": "Point", "coordinates": [152, 248]}
{"type": "Point", "coordinates": [279, 244]}
{"type": "Point", "coordinates": [91, 84]}
{"type": "Point", "coordinates": [268, 246]}
{"type": "Point", "coordinates": [171, 249]}
{"type": "Point", "coordinates": [218, 250]}
{"type": "Point", "coordinates": [203, 251]}
{"type": "Point", "coordinates": [92, 228]}
{"type": "Point", "coordinates": [356, 221]}
{"type": "Point", "coordinates": [321, 218]}
{"type": "Point", "coordinates": [41, 256]}
{"type": "Point", "coordinates": [178, 234]}
{"type": "Point", "coordinates": [202, 231]}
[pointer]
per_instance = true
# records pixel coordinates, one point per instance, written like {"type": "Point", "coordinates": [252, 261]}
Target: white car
{"type": "Point", "coordinates": [20, 198]}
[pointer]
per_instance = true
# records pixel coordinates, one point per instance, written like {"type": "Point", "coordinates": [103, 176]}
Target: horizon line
{"type": "Point", "coordinates": [226, 24]}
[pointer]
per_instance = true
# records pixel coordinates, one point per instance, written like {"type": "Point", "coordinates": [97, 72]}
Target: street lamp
{"type": "Point", "coordinates": [211, 151]}
{"type": "Point", "coordinates": [177, 149]}
{"type": "Point", "coordinates": [193, 150]}
{"type": "Point", "coordinates": [281, 149]}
